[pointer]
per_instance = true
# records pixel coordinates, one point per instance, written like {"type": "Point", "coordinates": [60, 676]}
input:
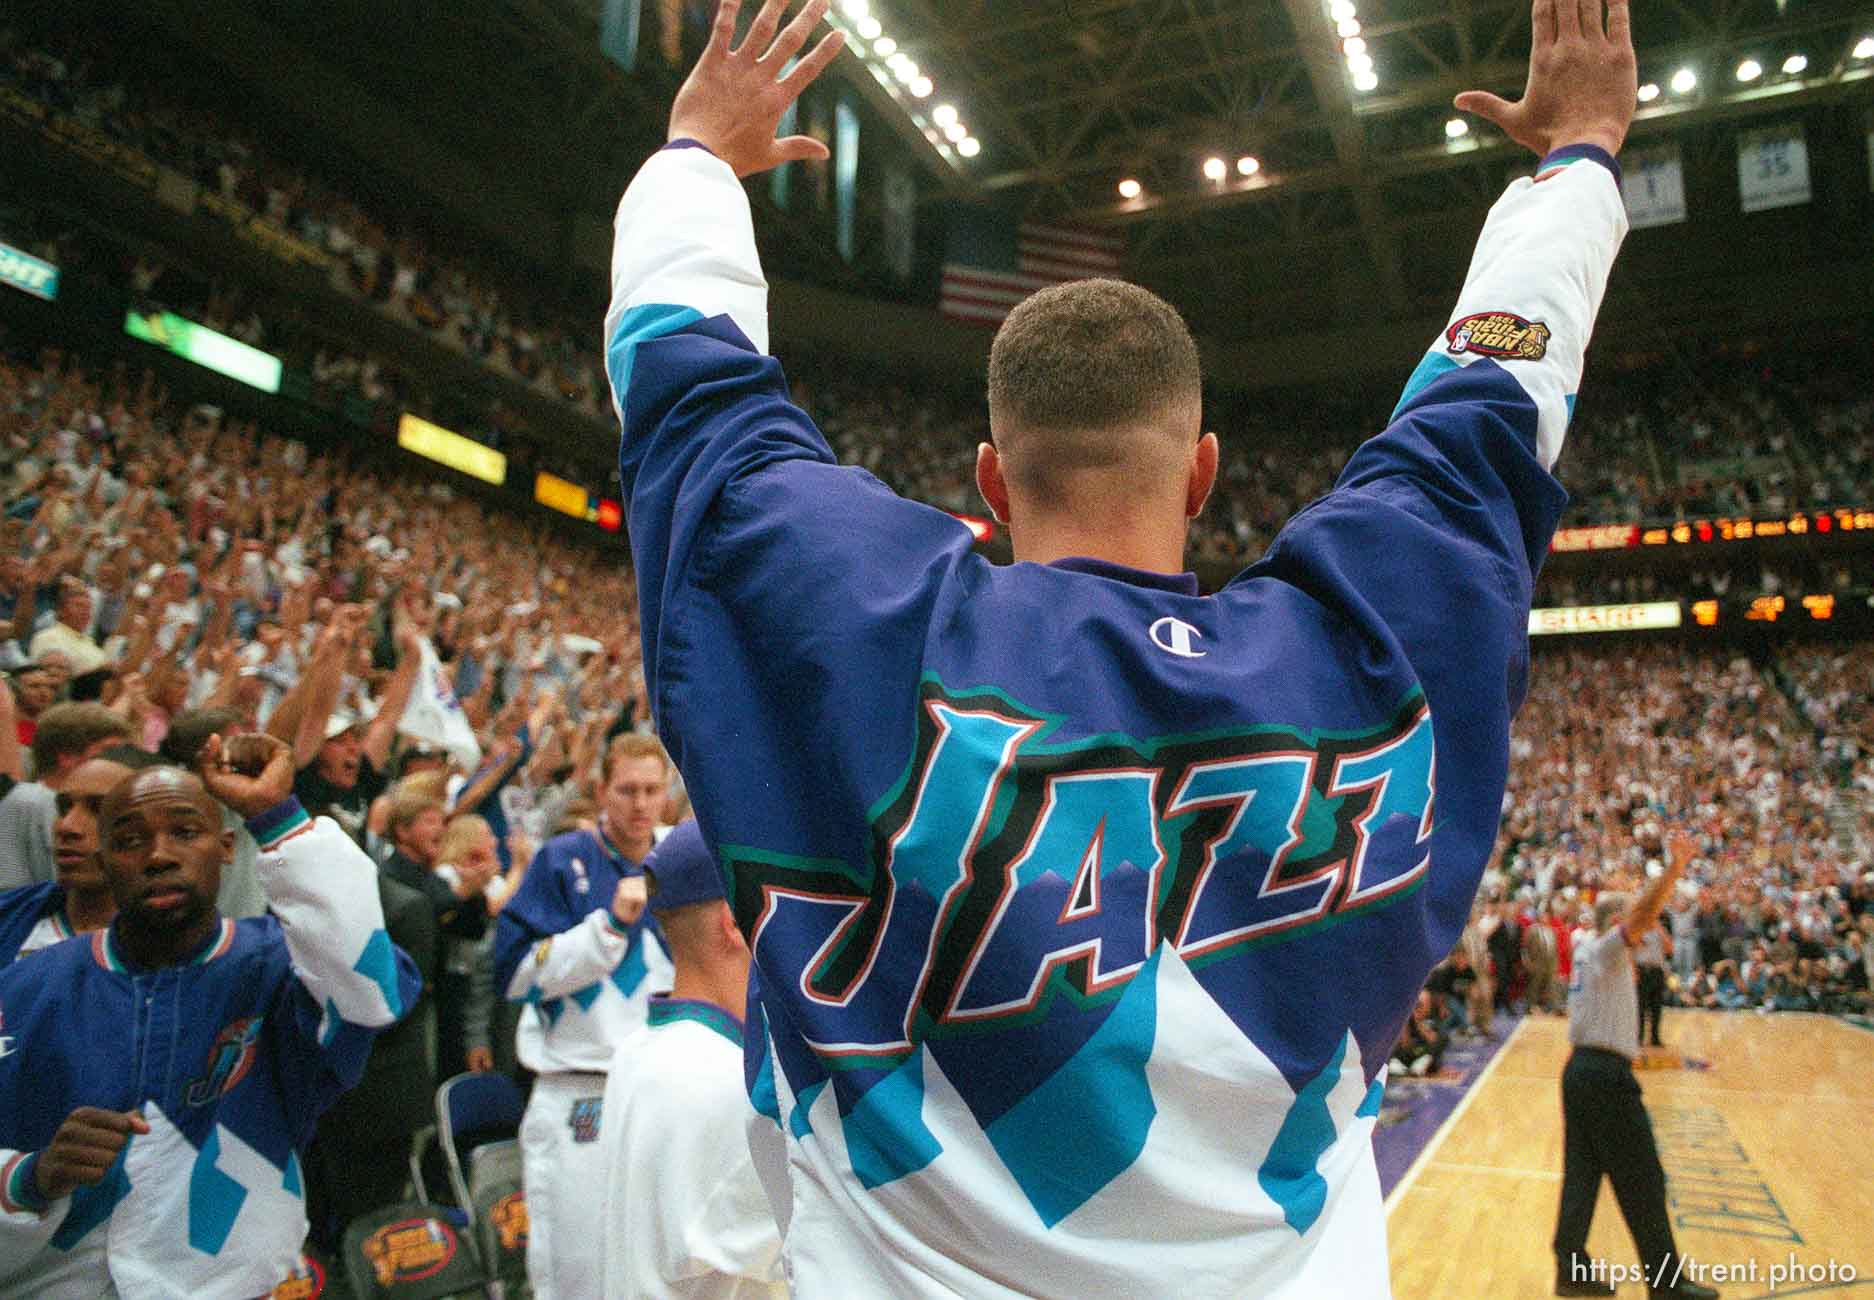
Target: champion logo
{"type": "Point", "coordinates": [1176, 637]}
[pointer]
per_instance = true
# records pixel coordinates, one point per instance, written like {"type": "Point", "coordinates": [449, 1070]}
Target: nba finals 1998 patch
{"type": "Point", "coordinates": [1500, 334]}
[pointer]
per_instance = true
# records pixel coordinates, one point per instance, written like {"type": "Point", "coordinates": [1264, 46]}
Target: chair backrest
{"type": "Point", "coordinates": [311, 1279]}
{"type": "Point", "coordinates": [501, 1227]}
{"type": "Point", "coordinates": [409, 1251]}
{"type": "Point", "coordinates": [473, 1109]}
{"type": "Point", "coordinates": [493, 1162]}
{"type": "Point", "coordinates": [472, 1104]}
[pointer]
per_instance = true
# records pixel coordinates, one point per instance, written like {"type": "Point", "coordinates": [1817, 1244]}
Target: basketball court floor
{"type": "Point", "coordinates": [1765, 1124]}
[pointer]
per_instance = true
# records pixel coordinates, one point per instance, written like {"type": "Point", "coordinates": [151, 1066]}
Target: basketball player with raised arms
{"type": "Point", "coordinates": [1085, 909]}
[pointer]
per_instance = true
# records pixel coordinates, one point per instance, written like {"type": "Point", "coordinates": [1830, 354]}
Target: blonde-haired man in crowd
{"type": "Point", "coordinates": [575, 946]}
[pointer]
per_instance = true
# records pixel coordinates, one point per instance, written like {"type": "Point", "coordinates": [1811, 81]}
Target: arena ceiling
{"type": "Point", "coordinates": [1072, 97]}
{"type": "Point", "coordinates": [1361, 208]}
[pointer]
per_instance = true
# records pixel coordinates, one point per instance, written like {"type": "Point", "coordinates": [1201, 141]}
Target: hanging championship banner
{"type": "Point", "coordinates": [845, 177]}
{"type": "Point", "coordinates": [1773, 168]}
{"type": "Point", "coordinates": [900, 220]}
{"type": "Point", "coordinates": [1655, 187]}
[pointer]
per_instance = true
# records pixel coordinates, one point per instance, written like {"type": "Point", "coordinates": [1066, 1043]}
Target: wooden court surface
{"type": "Point", "coordinates": [1769, 1154]}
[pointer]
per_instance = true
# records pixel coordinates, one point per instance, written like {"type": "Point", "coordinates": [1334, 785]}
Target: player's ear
{"type": "Point", "coordinates": [991, 483]}
{"type": "Point", "coordinates": [1202, 477]}
{"type": "Point", "coordinates": [728, 932]}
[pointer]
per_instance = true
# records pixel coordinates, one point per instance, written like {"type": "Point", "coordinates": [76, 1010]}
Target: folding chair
{"type": "Point", "coordinates": [472, 1111]}
{"type": "Point", "coordinates": [311, 1279]}
{"type": "Point", "coordinates": [493, 1162]}
{"type": "Point", "coordinates": [501, 1223]}
{"type": "Point", "coordinates": [409, 1251]}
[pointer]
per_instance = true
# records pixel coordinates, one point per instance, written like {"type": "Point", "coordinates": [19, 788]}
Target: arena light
{"type": "Point", "coordinates": [1457, 128]}
{"type": "Point", "coordinates": [1864, 48]}
{"type": "Point", "coordinates": [1341, 10]}
{"type": "Point", "coordinates": [856, 9]}
{"type": "Point", "coordinates": [1749, 70]}
{"type": "Point", "coordinates": [28, 274]}
{"type": "Point", "coordinates": [1361, 62]}
{"type": "Point", "coordinates": [921, 87]}
{"type": "Point", "coordinates": [1247, 166]}
{"type": "Point", "coordinates": [1214, 169]}
{"type": "Point", "coordinates": [955, 132]}
{"type": "Point", "coordinates": [884, 47]}
{"type": "Point", "coordinates": [446, 447]}
{"type": "Point", "coordinates": [1795, 65]}
{"type": "Point", "coordinates": [1353, 45]}
{"type": "Point", "coordinates": [1684, 81]}
{"type": "Point", "coordinates": [1130, 189]}
{"type": "Point", "coordinates": [1348, 27]}
{"type": "Point", "coordinates": [969, 146]}
{"type": "Point", "coordinates": [1649, 92]}
{"type": "Point", "coordinates": [1365, 80]}
{"type": "Point", "coordinates": [944, 115]}
{"type": "Point", "coordinates": [207, 348]}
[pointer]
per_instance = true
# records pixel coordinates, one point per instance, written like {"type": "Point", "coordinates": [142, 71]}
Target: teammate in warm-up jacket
{"type": "Point", "coordinates": [1084, 909]}
{"type": "Point", "coordinates": [157, 1076]}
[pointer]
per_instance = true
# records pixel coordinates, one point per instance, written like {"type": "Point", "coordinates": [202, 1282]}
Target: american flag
{"type": "Point", "coordinates": [991, 267]}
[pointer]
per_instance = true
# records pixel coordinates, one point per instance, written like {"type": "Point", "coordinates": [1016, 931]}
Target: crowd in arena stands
{"type": "Point", "coordinates": [408, 273]}
{"type": "Point", "coordinates": [1615, 746]}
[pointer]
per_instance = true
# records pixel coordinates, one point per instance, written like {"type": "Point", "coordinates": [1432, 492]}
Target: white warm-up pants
{"type": "Point", "coordinates": [563, 1170]}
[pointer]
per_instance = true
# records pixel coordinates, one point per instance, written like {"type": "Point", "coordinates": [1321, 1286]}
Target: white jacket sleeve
{"type": "Point", "coordinates": [323, 889]}
{"type": "Point", "coordinates": [26, 1222]}
{"type": "Point", "coordinates": [1535, 286]}
{"type": "Point", "coordinates": [571, 960]}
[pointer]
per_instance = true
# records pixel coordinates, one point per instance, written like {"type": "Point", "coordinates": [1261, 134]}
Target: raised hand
{"type": "Point", "coordinates": [248, 773]}
{"type": "Point", "coordinates": [84, 1149]}
{"type": "Point", "coordinates": [1583, 81]}
{"type": "Point", "coordinates": [733, 99]}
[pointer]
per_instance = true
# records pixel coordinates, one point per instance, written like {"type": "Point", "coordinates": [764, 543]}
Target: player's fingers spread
{"type": "Point", "coordinates": [1590, 11]}
{"type": "Point", "coordinates": [802, 148]}
{"type": "Point", "coordinates": [723, 32]}
{"type": "Point", "coordinates": [1542, 23]}
{"type": "Point", "coordinates": [1620, 23]}
{"type": "Point", "coordinates": [796, 33]}
{"type": "Point", "coordinates": [761, 31]}
{"type": "Point", "coordinates": [1483, 104]}
{"type": "Point", "coordinates": [1567, 20]}
{"type": "Point", "coordinates": [814, 64]}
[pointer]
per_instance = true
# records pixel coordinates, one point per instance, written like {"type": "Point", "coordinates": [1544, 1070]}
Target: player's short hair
{"type": "Point", "coordinates": [66, 730]}
{"type": "Point", "coordinates": [632, 744]}
{"type": "Point", "coordinates": [1079, 368]}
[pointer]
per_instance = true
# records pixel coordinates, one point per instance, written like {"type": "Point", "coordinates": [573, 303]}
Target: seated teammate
{"type": "Point", "coordinates": [78, 899]}
{"type": "Point", "coordinates": [163, 1071]}
{"type": "Point", "coordinates": [1085, 911]}
{"type": "Point", "coordinates": [685, 1214]}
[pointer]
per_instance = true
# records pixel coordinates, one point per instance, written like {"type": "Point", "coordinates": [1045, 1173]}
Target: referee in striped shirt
{"type": "Point", "coordinates": [1604, 1123]}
